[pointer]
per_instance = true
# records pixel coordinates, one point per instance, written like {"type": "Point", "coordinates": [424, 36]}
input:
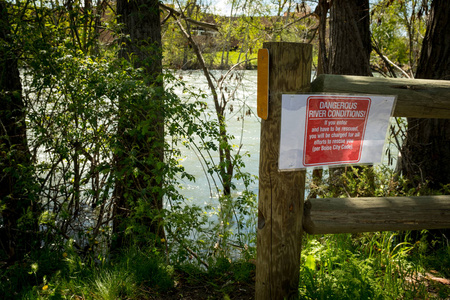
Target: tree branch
{"type": "Point", "coordinates": [388, 62]}
{"type": "Point", "coordinates": [298, 20]}
{"type": "Point", "coordinates": [178, 14]}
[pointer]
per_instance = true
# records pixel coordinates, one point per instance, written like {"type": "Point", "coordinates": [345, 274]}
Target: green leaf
{"type": "Point", "coordinates": [310, 263]}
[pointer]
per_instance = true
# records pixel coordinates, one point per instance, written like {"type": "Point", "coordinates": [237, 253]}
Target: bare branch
{"type": "Point", "coordinates": [298, 20]}
{"type": "Point", "coordinates": [389, 63]}
{"type": "Point", "coordinates": [178, 14]}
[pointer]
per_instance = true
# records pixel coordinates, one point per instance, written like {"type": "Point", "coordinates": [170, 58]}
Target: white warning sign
{"type": "Point", "coordinates": [320, 130]}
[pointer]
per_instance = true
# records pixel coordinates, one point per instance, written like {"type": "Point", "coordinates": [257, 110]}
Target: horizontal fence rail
{"type": "Point", "coordinates": [416, 98]}
{"type": "Point", "coordinates": [353, 215]}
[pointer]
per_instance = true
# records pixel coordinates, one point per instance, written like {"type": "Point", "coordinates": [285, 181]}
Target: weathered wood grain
{"type": "Point", "coordinates": [281, 195]}
{"type": "Point", "coordinates": [416, 98]}
{"type": "Point", "coordinates": [352, 215]}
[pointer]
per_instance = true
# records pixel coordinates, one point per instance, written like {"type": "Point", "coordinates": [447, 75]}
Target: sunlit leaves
{"type": "Point", "coordinates": [398, 28]}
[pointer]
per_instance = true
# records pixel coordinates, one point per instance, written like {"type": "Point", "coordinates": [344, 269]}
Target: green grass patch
{"type": "Point", "coordinates": [215, 59]}
{"type": "Point", "coordinates": [367, 266]}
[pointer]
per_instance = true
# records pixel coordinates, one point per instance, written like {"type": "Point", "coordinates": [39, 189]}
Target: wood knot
{"type": "Point", "coordinates": [261, 220]}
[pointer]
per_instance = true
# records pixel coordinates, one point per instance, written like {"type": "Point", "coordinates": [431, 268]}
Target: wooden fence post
{"type": "Point", "coordinates": [281, 194]}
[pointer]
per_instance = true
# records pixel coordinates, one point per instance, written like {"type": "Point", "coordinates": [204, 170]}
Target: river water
{"type": "Point", "coordinates": [243, 124]}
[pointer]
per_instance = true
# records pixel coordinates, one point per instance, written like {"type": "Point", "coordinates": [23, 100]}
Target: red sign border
{"type": "Point", "coordinates": [363, 131]}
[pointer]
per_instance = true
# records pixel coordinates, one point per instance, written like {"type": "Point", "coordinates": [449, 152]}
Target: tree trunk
{"type": "Point", "coordinates": [350, 45]}
{"type": "Point", "coordinates": [139, 153]}
{"type": "Point", "coordinates": [322, 10]}
{"type": "Point", "coordinates": [16, 178]}
{"type": "Point", "coordinates": [143, 46]}
{"type": "Point", "coordinates": [426, 150]}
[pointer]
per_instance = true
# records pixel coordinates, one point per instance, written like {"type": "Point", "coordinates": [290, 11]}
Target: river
{"type": "Point", "coordinates": [245, 129]}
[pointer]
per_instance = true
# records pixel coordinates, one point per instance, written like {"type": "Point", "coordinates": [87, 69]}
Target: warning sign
{"type": "Point", "coordinates": [320, 130]}
{"type": "Point", "coordinates": [335, 128]}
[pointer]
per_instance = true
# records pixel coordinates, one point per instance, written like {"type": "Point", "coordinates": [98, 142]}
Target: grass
{"type": "Point", "coordinates": [234, 58]}
{"type": "Point", "coordinates": [133, 274]}
{"type": "Point", "coordinates": [214, 59]}
{"type": "Point", "coordinates": [382, 265]}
